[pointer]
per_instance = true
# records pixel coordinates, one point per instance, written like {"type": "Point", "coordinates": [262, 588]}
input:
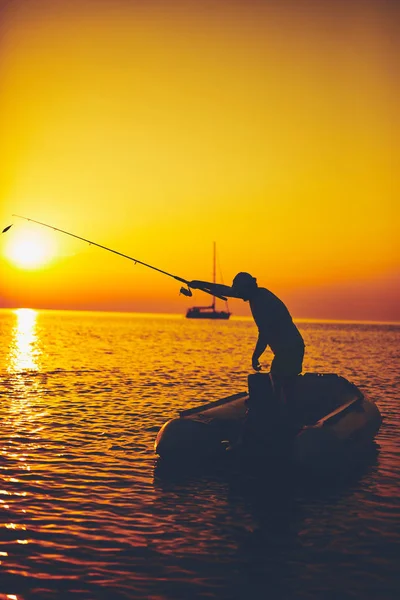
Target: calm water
{"type": "Point", "coordinates": [84, 513]}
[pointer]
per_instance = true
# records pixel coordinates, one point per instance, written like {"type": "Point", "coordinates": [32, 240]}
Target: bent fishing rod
{"type": "Point", "coordinates": [185, 291]}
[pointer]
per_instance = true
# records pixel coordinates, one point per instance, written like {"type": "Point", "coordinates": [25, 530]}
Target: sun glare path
{"type": "Point", "coordinates": [30, 250]}
{"type": "Point", "coordinates": [24, 351]}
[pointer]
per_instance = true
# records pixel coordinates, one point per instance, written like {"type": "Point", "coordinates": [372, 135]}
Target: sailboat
{"type": "Point", "coordinates": [208, 312]}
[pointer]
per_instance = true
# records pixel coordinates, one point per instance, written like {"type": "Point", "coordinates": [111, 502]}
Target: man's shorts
{"type": "Point", "coordinates": [288, 362]}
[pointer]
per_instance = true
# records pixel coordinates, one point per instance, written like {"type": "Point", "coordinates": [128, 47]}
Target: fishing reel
{"type": "Point", "coordinates": [186, 292]}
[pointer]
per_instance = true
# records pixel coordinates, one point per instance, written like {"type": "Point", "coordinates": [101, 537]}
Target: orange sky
{"type": "Point", "coordinates": [156, 128]}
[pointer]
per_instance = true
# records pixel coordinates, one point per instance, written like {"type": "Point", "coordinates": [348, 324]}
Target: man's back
{"type": "Point", "coordinates": [274, 320]}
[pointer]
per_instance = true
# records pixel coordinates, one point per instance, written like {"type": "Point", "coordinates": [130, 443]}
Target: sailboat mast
{"type": "Point", "coordinates": [214, 274]}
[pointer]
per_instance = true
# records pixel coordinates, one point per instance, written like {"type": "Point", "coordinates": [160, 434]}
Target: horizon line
{"type": "Point", "coordinates": [179, 315]}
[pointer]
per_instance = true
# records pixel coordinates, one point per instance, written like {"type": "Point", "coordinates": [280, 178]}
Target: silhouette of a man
{"type": "Point", "coordinates": [275, 325]}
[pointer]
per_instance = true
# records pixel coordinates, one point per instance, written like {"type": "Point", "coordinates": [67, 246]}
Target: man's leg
{"type": "Point", "coordinates": [285, 368]}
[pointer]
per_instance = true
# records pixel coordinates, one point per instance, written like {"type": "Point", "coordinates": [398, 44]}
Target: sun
{"type": "Point", "coordinates": [29, 249]}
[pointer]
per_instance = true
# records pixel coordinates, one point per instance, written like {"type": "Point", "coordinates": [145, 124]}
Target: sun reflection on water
{"type": "Point", "coordinates": [24, 349]}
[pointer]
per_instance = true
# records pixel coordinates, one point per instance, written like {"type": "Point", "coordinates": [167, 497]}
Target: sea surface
{"type": "Point", "coordinates": [85, 514]}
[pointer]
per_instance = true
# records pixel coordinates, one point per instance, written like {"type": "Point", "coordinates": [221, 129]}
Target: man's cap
{"type": "Point", "coordinates": [243, 280]}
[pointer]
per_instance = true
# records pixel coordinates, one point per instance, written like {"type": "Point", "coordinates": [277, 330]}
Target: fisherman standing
{"type": "Point", "coordinates": [271, 415]}
{"type": "Point", "coordinates": [274, 322]}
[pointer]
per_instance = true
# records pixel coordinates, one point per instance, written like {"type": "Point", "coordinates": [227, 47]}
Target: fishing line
{"type": "Point", "coordinates": [185, 291]}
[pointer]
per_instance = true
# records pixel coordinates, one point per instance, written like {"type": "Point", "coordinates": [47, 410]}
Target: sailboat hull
{"type": "Point", "coordinates": [196, 313]}
{"type": "Point", "coordinates": [208, 312]}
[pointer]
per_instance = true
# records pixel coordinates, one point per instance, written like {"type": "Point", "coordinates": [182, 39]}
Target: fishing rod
{"type": "Point", "coordinates": [185, 291]}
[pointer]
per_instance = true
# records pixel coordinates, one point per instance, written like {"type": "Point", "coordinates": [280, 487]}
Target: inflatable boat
{"type": "Point", "coordinates": [321, 417]}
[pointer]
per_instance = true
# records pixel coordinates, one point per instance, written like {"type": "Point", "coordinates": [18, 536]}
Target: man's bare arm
{"type": "Point", "coordinates": [215, 288]}
{"type": "Point", "coordinates": [261, 346]}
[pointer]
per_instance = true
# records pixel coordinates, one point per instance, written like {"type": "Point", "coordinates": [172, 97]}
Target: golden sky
{"type": "Point", "coordinates": [156, 128]}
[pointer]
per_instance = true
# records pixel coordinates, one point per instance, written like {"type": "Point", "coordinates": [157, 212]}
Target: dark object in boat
{"type": "Point", "coordinates": [327, 417]}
